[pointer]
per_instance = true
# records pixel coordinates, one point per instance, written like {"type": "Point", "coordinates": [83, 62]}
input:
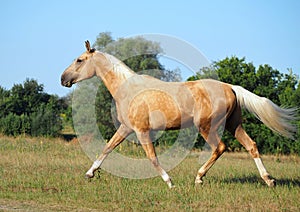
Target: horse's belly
{"type": "Point", "coordinates": [159, 120]}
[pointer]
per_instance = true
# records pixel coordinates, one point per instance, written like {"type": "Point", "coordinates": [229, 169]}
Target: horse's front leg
{"type": "Point", "coordinates": [117, 138]}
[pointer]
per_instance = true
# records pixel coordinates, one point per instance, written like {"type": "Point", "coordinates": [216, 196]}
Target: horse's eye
{"type": "Point", "coordinates": [79, 60]}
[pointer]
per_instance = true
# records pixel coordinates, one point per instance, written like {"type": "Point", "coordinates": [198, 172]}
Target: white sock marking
{"type": "Point", "coordinates": [261, 168]}
{"type": "Point", "coordinates": [165, 176]}
{"type": "Point", "coordinates": [96, 165]}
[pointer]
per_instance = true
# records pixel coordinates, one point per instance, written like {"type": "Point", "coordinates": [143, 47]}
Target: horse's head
{"type": "Point", "coordinates": [82, 68]}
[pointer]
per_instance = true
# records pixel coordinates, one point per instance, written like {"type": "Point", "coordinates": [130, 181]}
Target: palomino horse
{"type": "Point", "coordinates": [145, 103]}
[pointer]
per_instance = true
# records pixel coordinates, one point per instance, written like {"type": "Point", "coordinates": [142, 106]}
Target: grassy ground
{"type": "Point", "coordinates": [47, 175]}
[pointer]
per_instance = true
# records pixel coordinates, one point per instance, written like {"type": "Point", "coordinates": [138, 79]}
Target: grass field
{"type": "Point", "coordinates": [38, 174]}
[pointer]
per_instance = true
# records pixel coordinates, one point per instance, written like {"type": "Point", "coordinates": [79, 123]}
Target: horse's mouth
{"type": "Point", "coordinates": [67, 81]}
{"type": "Point", "coordinates": [67, 84]}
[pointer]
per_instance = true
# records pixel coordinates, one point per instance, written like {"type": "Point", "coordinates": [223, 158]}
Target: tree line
{"type": "Point", "coordinates": [27, 109]}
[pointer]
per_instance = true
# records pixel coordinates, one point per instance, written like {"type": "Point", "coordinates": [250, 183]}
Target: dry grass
{"type": "Point", "coordinates": [47, 174]}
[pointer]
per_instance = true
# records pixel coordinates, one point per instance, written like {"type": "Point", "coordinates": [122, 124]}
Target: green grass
{"type": "Point", "coordinates": [48, 174]}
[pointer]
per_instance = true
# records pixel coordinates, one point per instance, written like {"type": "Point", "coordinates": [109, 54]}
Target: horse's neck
{"type": "Point", "coordinates": [113, 72]}
{"type": "Point", "coordinates": [119, 68]}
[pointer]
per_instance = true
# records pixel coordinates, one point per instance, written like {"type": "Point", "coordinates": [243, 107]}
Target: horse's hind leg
{"type": "Point", "coordinates": [218, 148]}
{"type": "Point", "coordinates": [147, 145]}
{"type": "Point", "coordinates": [251, 147]}
{"type": "Point", "coordinates": [234, 125]}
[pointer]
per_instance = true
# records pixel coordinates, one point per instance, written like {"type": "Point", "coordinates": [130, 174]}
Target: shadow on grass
{"type": "Point", "coordinates": [68, 137]}
{"type": "Point", "coordinates": [252, 179]}
{"type": "Point", "coordinates": [288, 182]}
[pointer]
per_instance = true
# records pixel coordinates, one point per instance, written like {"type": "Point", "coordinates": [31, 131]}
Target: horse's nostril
{"type": "Point", "coordinates": [62, 80]}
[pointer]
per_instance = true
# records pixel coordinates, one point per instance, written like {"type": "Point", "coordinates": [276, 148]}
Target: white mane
{"type": "Point", "coordinates": [119, 68]}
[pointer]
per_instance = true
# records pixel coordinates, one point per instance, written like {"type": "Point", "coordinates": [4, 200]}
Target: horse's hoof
{"type": "Point", "coordinates": [198, 181]}
{"type": "Point", "coordinates": [170, 185]}
{"type": "Point", "coordinates": [271, 183]}
{"type": "Point", "coordinates": [89, 175]}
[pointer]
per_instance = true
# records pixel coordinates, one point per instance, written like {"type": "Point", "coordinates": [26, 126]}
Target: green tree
{"type": "Point", "coordinates": [103, 39]}
{"type": "Point", "coordinates": [27, 109]}
{"type": "Point", "coordinates": [237, 72]}
{"type": "Point", "coordinates": [287, 90]}
{"type": "Point", "coordinates": [25, 98]}
{"type": "Point", "coordinates": [267, 83]}
{"type": "Point", "coordinates": [45, 121]}
{"type": "Point", "coordinates": [4, 96]}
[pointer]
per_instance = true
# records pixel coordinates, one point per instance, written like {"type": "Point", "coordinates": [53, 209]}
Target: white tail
{"type": "Point", "coordinates": [276, 118]}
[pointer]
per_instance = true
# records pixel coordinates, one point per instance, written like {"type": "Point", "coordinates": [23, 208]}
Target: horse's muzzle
{"type": "Point", "coordinates": [66, 83]}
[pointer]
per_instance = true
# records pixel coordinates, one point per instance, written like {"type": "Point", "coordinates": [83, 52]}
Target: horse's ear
{"type": "Point", "coordinates": [88, 47]}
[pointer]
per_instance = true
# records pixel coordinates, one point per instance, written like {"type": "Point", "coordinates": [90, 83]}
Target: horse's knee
{"type": "Point", "coordinates": [154, 161]}
{"type": "Point", "coordinates": [107, 150]}
{"type": "Point", "coordinates": [253, 150]}
{"type": "Point", "coordinates": [221, 147]}
{"type": "Point", "coordinates": [246, 141]}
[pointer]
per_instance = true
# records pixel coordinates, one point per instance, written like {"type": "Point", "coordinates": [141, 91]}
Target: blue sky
{"type": "Point", "coordinates": [39, 39]}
